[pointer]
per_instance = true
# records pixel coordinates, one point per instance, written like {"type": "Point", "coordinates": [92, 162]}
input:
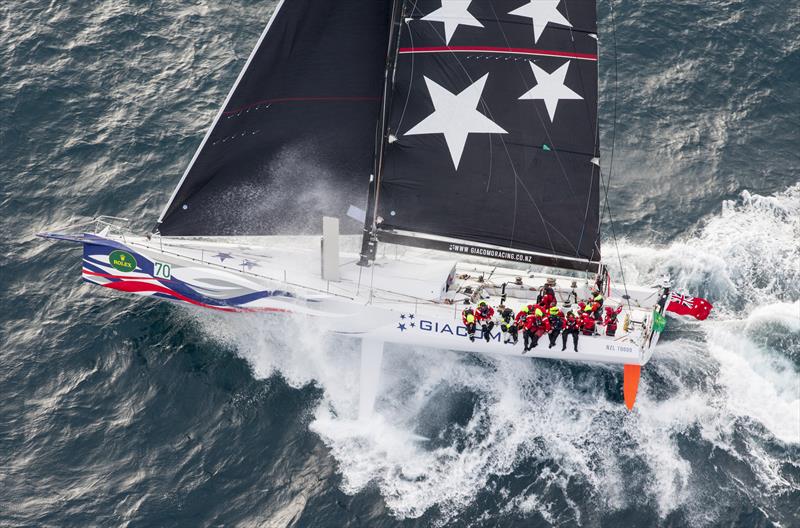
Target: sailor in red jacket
{"type": "Point", "coordinates": [529, 338]}
{"type": "Point", "coordinates": [611, 320]}
{"type": "Point", "coordinates": [547, 294]}
{"type": "Point", "coordinates": [596, 302]}
{"type": "Point", "coordinates": [536, 325]}
{"type": "Point", "coordinates": [484, 316]}
{"type": "Point", "coordinates": [587, 322]}
{"type": "Point", "coordinates": [520, 319]}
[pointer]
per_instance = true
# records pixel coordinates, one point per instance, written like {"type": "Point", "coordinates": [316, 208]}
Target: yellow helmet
{"type": "Point", "coordinates": [554, 310]}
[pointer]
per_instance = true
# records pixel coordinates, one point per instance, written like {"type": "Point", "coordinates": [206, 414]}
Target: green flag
{"type": "Point", "coordinates": [659, 322]}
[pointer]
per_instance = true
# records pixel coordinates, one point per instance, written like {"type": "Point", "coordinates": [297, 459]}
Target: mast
{"type": "Point", "coordinates": [369, 242]}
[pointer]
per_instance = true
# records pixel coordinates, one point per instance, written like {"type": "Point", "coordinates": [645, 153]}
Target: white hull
{"type": "Point", "coordinates": [410, 296]}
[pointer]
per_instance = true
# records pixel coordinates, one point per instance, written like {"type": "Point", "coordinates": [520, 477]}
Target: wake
{"type": "Point", "coordinates": [449, 426]}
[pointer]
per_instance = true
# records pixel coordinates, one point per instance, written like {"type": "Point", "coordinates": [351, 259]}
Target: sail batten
{"type": "Point", "coordinates": [494, 126]}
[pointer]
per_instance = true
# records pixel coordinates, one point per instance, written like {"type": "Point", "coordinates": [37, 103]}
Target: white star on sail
{"type": "Point", "coordinates": [456, 116]}
{"type": "Point", "coordinates": [453, 13]}
{"type": "Point", "coordinates": [550, 88]}
{"type": "Point", "coordinates": [542, 12]}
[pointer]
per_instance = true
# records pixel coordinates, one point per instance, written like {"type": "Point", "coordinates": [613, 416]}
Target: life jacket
{"type": "Point", "coordinates": [611, 321]}
{"type": "Point", "coordinates": [530, 323]}
{"type": "Point", "coordinates": [538, 324]}
{"type": "Point", "coordinates": [597, 302]}
{"type": "Point", "coordinates": [556, 322]}
{"type": "Point", "coordinates": [598, 298]}
{"type": "Point", "coordinates": [507, 320]}
{"type": "Point", "coordinates": [484, 313]}
{"type": "Point", "coordinates": [468, 317]}
{"type": "Point", "coordinates": [547, 300]}
{"type": "Point", "coordinates": [521, 316]}
{"type": "Point", "coordinates": [572, 322]}
{"type": "Point", "coordinates": [587, 324]}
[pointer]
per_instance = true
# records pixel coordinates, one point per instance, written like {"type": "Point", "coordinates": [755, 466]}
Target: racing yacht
{"type": "Point", "coordinates": [380, 166]}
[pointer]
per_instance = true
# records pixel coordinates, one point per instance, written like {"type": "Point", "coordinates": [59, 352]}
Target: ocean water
{"type": "Point", "coordinates": [121, 411]}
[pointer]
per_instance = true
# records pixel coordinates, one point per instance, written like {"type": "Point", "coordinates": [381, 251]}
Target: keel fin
{"type": "Point", "coordinates": [630, 384]}
{"type": "Point", "coordinates": [371, 360]}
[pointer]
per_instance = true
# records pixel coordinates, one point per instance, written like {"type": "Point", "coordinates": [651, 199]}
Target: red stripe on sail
{"type": "Point", "coordinates": [495, 49]}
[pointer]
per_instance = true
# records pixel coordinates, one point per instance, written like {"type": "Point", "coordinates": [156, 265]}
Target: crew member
{"type": "Point", "coordinates": [556, 319]}
{"type": "Point", "coordinates": [547, 294]}
{"type": "Point", "coordinates": [468, 317]}
{"type": "Point", "coordinates": [571, 326]}
{"type": "Point", "coordinates": [536, 325]}
{"type": "Point", "coordinates": [508, 324]}
{"type": "Point", "coordinates": [520, 319]}
{"type": "Point", "coordinates": [587, 322]}
{"type": "Point", "coordinates": [596, 302]}
{"type": "Point", "coordinates": [611, 320]}
{"type": "Point", "coordinates": [484, 316]}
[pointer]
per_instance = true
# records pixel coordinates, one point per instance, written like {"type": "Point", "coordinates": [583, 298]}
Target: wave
{"type": "Point", "coordinates": [449, 427]}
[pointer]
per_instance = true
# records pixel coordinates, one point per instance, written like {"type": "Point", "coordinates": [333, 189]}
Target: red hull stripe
{"type": "Point", "coordinates": [134, 286]}
{"type": "Point", "coordinates": [494, 49]}
{"type": "Point", "coordinates": [121, 277]}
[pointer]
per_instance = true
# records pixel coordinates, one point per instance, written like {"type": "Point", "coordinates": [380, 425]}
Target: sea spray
{"type": "Point", "coordinates": [716, 381]}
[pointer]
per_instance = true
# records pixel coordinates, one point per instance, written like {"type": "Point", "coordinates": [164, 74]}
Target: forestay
{"type": "Point", "coordinates": [295, 139]}
{"type": "Point", "coordinates": [492, 131]}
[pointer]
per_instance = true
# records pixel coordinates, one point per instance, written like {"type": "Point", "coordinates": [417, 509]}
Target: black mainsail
{"type": "Point", "coordinates": [492, 134]}
{"type": "Point", "coordinates": [295, 139]}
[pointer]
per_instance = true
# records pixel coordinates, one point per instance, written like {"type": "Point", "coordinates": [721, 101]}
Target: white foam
{"type": "Point", "coordinates": [541, 410]}
{"type": "Point", "coordinates": [760, 384]}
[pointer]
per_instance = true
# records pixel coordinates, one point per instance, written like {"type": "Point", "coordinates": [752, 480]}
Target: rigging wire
{"type": "Point", "coordinates": [607, 181]}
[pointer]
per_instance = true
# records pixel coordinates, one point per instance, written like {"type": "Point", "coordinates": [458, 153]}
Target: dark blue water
{"type": "Point", "coordinates": [121, 411]}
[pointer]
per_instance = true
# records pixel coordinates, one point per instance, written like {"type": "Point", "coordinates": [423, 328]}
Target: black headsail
{"type": "Point", "coordinates": [295, 139]}
{"type": "Point", "coordinates": [492, 137]}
